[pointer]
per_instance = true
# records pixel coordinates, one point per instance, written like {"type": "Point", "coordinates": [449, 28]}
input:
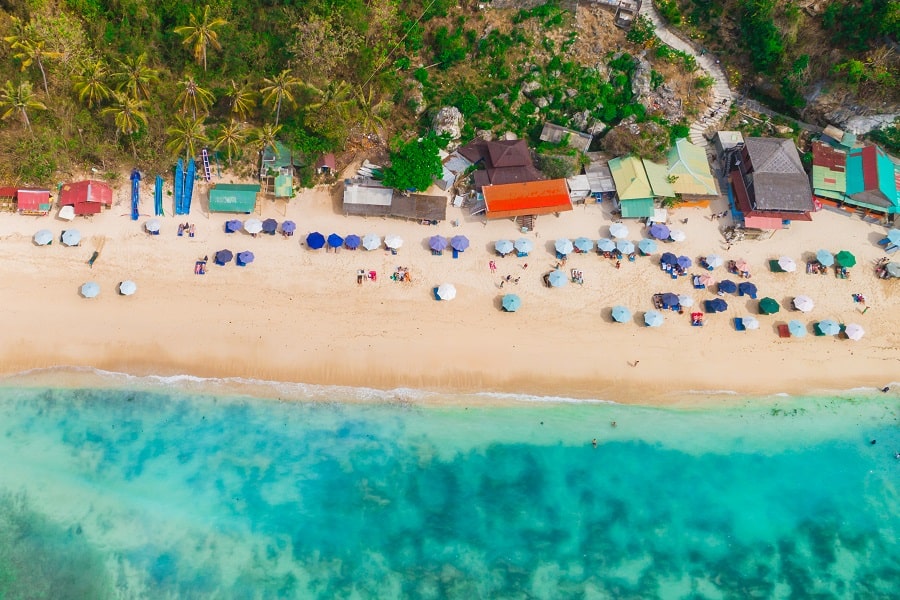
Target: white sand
{"type": "Point", "coordinates": [298, 315]}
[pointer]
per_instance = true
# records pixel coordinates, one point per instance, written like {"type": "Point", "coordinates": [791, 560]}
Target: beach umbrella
{"type": "Point", "coordinates": [90, 289]}
{"type": "Point", "coordinates": [747, 289]}
{"type": "Point", "coordinates": [768, 306]}
{"type": "Point", "coordinates": [352, 241]}
{"type": "Point", "coordinates": [244, 258]}
{"type": "Point", "coordinates": [685, 300]}
{"type": "Point", "coordinates": [335, 241]}
{"type": "Point", "coordinates": [606, 245]}
{"type": "Point", "coordinates": [127, 287]}
{"type": "Point", "coordinates": [524, 245]}
{"type": "Point", "coordinates": [618, 230]}
{"type": "Point", "coordinates": [647, 246]}
{"type": "Point", "coordinates": [152, 226]}
{"type": "Point", "coordinates": [233, 225]}
{"type": "Point", "coordinates": [253, 226]}
{"type": "Point", "coordinates": [43, 237]}
{"type": "Point", "coordinates": [288, 227]}
{"type": "Point", "coordinates": [717, 305]}
{"type": "Point", "coordinates": [625, 247]}
{"type": "Point", "coordinates": [727, 287]}
{"type": "Point", "coordinates": [393, 241]}
{"type": "Point", "coordinates": [558, 278]}
{"type": "Point", "coordinates": [71, 237]}
{"type": "Point", "coordinates": [446, 291]}
{"type": "Point", "coordinates": [787, 264]}
{"type": "Point", "coordinates": [742, 265]}
{"type": "Point", "coordinates": [620, 314]}
{"type": "Point", "coordinates": [845, 259]}
{"type": "Point", "coordinates": [829, 327]}
{"type": "Point", "coordinates": [653, 318]}
{"type": "Point", "coordinates": [669, 299]}
{"type": "Point", "coordinates": [714, 260]}
{"type": "Point", "coordinates": [438, 243]}
{"type": "Point", "coordinates": [825, 257]}
{"type": "Point", "coordinates": [511, 303]}
{"type": "Point", "coordinates": [855, 332]}
{"type": "Point", "coordinates": [583, 244]}
{"type": "Point", "coordinates": [893, 269]}
{"type": "Point", "coordinates": [223, 257]}
{"type": "Point", "coordinates": [684, 262]}
{"type": "Point", "coordinates": [270, 226]}
{"type": "Point", "coordinates": [659, 231]}
{"type": "Point", "coordinates": [706, 279]}
{"type": "Point", "coordinates": [668, 258]}
{"type": "Point", "coordinates": [676, 235]}
{"type": "Point", "coordinates": [803, 303]}
{"type": "Point", "coordinates": [503, 247]}
{"type": "Point", "coordinates": [371, 241]}
{"type": "Point", "coordinates": [893, 235]}
{"type": "Point", "coordinates": [315, 240]}
{"type": "Point", "coordinates": [459, 243]}
{"type": "Point", "coordinates": [751, 322]}
{"type": "Point", "coordinates": [67, 213]}
{"type": "Point", "coordinates": [797, 328]}
{"type": "Point", "coordinates": [564, 246]}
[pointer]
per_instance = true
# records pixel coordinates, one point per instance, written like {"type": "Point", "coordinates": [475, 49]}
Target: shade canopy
{"type": "Point", "coordinates": [270, 226]}
{"type": "Point", "coordinates": [727, 287]}
{"type": "Point", "coordinates": [804, 303]}
{"type": "Point", "coordinates": [288, 227]}
{"type": "Point", "coordinates": [91, 289]}
{"type": "Point", "coordinates": [653, 318]}
{"type": "Point", "coordinates": [659, 231]}
{"type": "Point", "coordinates": [503, 246]}
{"type": "Point", "coordinates": [335, 241]}
{"type": "Point", "coordinates": [769, 306]}
{"type": "Point", "coordinates": [352, 241]}
{"type": "Point", "coordinates": [558, 278]}
{"type": "Point", "coordinates": [845, 259]}
{"type": "Point", "coordinates": [245, 258]}
{"type": "Point", "coordinates": [855, 332]}
{"type": "Point", "coordinates": [393, 241]}
{"type": "Point", "coordinates": [43, 237]}
{"type": "Point", "coordinates": [825, 257]}
{"type": "Point", "coordinates": [796, 328]}
{"type": "Point", "coordinates": [676, 235]}
{"type": "Point", "coordinates": [459, 243]}
{"type": "Point", "coordinates": [714, 260]}
{"type": "Point", "coordinates": [747, 288]}
{"type": "Point", "coordinates": [685, 300]}
{"type": "Point", "coordinates": [583, 244]}
{"type": "Point", "coordinates": [829, 327]}
{"type": "Point", "coordinates": [893, 235]}
{"type": "Point", "coordinates": [253, 226]}
{"type": "Point", "coordinates": [669, 299]}
{"type": "Point", "coordinates": [446, 291]}
{"type": "Point", "coordinates": [625, 247]}
{"type": "Point", "coordinates": [438, 243]}
{"type": "Point", "coordinates": [647, 246]}
{"type": "Point", "coordinates": [315, 240]}
{"type": "Point", "coordinates": [606, 245]}
{"type": "Point", "coordinates": [684, 262]}
{"type": "Point", "coordinates": [127, 287]}
{"type": "Point", "coordinates": [892, 269]}
{"type": "Point", "coordinates": [152, 225]}
{"type": "Point", "coordinates": [787, 264]}
{"type": "Point", "coordinates": [717, 305]}
{"type": "Point", "coordinates": [224, 256]}
{"type": "Point", "coordinates": [371, 241]}
{"type": "Point", "coordinates": [511, 303]}
{"type": "Point", "coordinates": [620, 314]}
{"type": "Point", "coordinates": [67, 213]}
{"type": "Point", "coordinates": [71, 237]}
{"type": "Point", "coordinates": [233, 225]}
{"type": "Point", "coordinates": [668, 258]}
{"type": "Point", "coordinates": [618, 230]}
{"type": "Point", "coordinates": [742, 265]}
{"type": "Point", "coordinates": [751, 322]}
{"type": "Point", "coordinates": [524, 245]}
{"type": "Point", "coordinates": [706, 279]}
{"type": "Point", "coordinates": [564, 246]}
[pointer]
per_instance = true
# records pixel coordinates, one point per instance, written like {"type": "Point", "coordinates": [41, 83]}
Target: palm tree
{"type": "Point", "coordinates": [134, 76]}
{"type": "Point", "coordinates": [32, 52]}
{"type": "Point", "coordinates": [278, 89]}
{"type": "Point", "coordinates": [265, 136]}
{"type": "Point", "coordinates": [19, 99]}
{"type": "Point", "coordinates": [336, 96]}
{"type": "Point", "coordinates": [128, 115]}
{"type": "Point", "coordinates": [369, 110]}
{"type": "Point", "coordinates": [201, 33]}
{"type": "Point", "coordinates": [242, 99]}
{"type": "Point", "coordinates": [194, 97]}
{"type": "Point", "coordinates": [186, 134]}
{"type": "Point", "coordinates": [90, 82]}
{"type": "Point", "coordinates": [231, 137]}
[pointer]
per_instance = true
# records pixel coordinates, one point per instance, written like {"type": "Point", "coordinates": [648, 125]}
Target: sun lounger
{"type": "Point", "coordinates": [697, 319]}
{"type": "Point", "coordinates": [739, 324]}
{"type": "Point", "coordinates": [200, 267]}
{"type": "Point", "coordinates": [892, 249]}
{"type": "Point", "coordinates": [775, 267]}
{"type": "Point", "coordinates": [521, 254]}
{"type": "Point", "coordinates": [455, 253]}
{"type": "Point", "coordinates": [373, 276]}
{"type": "Point", "coordinates": [93, 259]}
{"type": "Point", "coordinates": [783, 331]}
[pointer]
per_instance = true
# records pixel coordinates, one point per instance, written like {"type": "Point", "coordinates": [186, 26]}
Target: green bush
{"type": "Point", "coordinates": [668, 9]}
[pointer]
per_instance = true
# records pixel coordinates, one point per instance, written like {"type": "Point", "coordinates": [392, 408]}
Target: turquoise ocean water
{"type": "Point", "coordinates": [164, 492]}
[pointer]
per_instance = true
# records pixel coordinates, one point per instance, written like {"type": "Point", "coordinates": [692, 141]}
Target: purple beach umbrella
{"type": "Point", "coordinates": [437, 243]}
{"type": "Point", "coordinates": [352, 241]}
{"type": "Point", "coordinates": [660, 231]}
{"type": "Point", "coordinates": [684, 262]}
{"type": "Point", "coordinates": [270, 226]}
{"type": "Point", "coordinates": [459, 243]}
{"type": "Point", "coordinates": [288, 227]}
{"type": "Point", "coordinates": [668, 259]}
{"type": "Point", "coordinates": [223, 257]}
{"type": "Point", "coordinates": [244, 258]}
{"type": "Point", "coordinates": [233, 225]}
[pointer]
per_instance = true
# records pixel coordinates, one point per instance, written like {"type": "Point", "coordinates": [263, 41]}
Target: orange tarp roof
{"type": "Point", "coordinates": [533, 197]}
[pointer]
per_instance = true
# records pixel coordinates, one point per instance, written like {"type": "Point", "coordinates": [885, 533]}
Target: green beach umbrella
{"type": "Point", "coordinates": [845, 259]}
{"type": "Point", "coordinates": [768, 306]}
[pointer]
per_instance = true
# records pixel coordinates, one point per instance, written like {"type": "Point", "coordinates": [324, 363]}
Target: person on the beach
{"type": "Point", "coordinates": [618, 264]}
{"type": "Point", "coordinates": [613, 424]}
{"type": "Point", "coordinates": [525, 266]}
{"type": "Point", "coordinates": [594, 442]}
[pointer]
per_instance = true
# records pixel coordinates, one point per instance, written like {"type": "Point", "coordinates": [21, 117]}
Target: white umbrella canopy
{"type": "Point", "coordinates": [751, 322]}
{"type": "Point", "coordinates": [787, 263]}
{"type": "Point", "coordinates": [804, 303]}
{"type": "Point", "coordinates": [71, 237]}
{"type": "Point", "coordinates": [677, 235]}
{"type": "Point", "coordinates": [393, 241]}
{"type": "Point", "coordinates": [90, 289]}
{"type": "Point", "coordinates": [253, 226]}
{"type": "Point", "coordinates": [371, 241]}
{"type": "Point", "coordinates": [67, 213]}
{"type": "Point", "coordinates": [714, 260]}
{"type": "Point", "coordinates": [152, 225]}
{"type": "Point", "coordinates": [618, 230]}
{"type": "Point", "coordinates": [43, 237]}
{"type": "Point", "coordinates": [446, 291]}
{"type": "Point", "coordinates": [685, 300]}
{"type": "Point", "coordinates": [855, 332]}
{"type": "Point", "coordinates": [127, 287]}
{"type": "Point", "coordinates": [564, 246]}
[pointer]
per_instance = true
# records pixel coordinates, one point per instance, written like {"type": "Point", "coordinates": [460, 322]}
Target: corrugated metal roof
{"type": "Point", "coordinates": [829, 170]}
{"type": "Point", "coordinates": [630, 178]}
{"type": "Point", "coordinates": [523, 197]}
{"type": "Point", "coordinates": [637, 208]}
{"type": "Point", "coordinates": [659, 179]}
{"type": "Point", "coordinates": [690, 167]}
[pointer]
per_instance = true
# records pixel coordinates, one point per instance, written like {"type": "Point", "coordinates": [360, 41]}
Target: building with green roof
{"type": "Point", "coordinates": [689, 172]}
{"type": "Point", "coordinates": [658, 177]}
{"type": "Point", "coordinates": [233, 197]}
{"type": "Point", "coordinates": [632, 187]}
{"type": "Point", "coordinates": [865, 177]}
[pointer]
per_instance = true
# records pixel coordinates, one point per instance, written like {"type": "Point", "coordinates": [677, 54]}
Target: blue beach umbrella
{"type": "Point", "coordinates": [647, 246]}
{"type": "Point", "coordinates": [270, 226]}
{"type": "Point", "coordinates": [829, 327]}
{"type": "Point", "coordinates": [558, 278]}
{"type": "Point", "coordinates": [583, 244]}
{"type": "Point", "coordinates": [606, 245]}
{"type": "Point", "coordinates": [504, 247]}
{"type": "Point", "coordinates": [71, 237]}
{"type": "Point", "coordinates": [659, 231]}
{"type": "Point", "coordinates": [668, 259]}
{"type": "Point", "coordinates": [91, 289]}
{"type": "Point", "coordinates": [653, 318]}
{"type": "Point", "coordinates": [727, 287]}
{"type": "Point", "coordinates": [825, 257]}
{"type": "Point", "coordinates": [352, 241]}
{"type": "Point", "coordinates": [620, 314]}
{"type": "Point", "coordinates": [43, 237]}
{"type": "Point", "coordinates": [797, 328]}
{"type": "Point", "coordinates": [747, 289]}
{"type": "Point", "coordinates": [625, 247]}
{"type": "Point", "coordinates": [438, 243]}
{"type": "Point", "coordinates": [223, 257]}
{"type": "Point", "coordinates": [459, 243]}
{"type": "Point", "coordinates": [371, 241]}
{"type": "Point", "coordinates": [315, 240]}
{"type": "Point", "coordinates": [684, 262]}
{"type": "Point", "coordinates": [232, 226]}
{"type": "Point", "coordinates": [717, 305]}
{"type": "Point", "coordinates": [335, 241]}
{"type": "Point", "coordinates": [288, 227]}
{"type": "Point", "coordinates": [524, 245]}
{"type": "Point", "coordinates": [564, 246]}
{"type": "Point", "coordinates": [511, 303]}
{"type": "Point", "coordinates": [244, 258]}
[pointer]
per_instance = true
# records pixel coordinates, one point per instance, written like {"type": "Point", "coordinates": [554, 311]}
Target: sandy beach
{"type": "Point", "coordinates": [297, 315]}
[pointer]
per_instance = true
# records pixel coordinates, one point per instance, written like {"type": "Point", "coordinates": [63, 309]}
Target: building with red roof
{"type": "Point", "coordinates": [87, 197]}
{"type": "Point", "coordinates": [28, 201]}
{"type": "Point", "coordinates": [531, 198]}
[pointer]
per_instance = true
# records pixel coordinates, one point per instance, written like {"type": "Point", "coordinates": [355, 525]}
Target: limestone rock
{"type": "Point", "coordinates": [448, 121]}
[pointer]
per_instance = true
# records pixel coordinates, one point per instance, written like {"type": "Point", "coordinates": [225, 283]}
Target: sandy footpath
{"type": "Point", "coordinates": [299, 316]}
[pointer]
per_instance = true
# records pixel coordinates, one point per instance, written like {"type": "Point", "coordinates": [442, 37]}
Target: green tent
{"type": "Point", "coordinates": [233, 197]}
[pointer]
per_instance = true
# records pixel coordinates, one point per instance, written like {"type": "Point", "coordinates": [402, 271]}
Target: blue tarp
{"type": "Point", "coordinates": [179, 185]}
{"type": "Point", "coordinates": [188, 192]}
{"type": "Point", "coordinates": [135, 193]}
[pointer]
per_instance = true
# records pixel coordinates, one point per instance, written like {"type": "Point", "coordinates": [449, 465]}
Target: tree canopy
{"type": "Point", "coordinates": [415, 164]}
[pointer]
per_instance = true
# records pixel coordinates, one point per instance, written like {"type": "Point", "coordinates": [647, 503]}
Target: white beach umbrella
{"type": "Point", "coordinates": [127, 287]}
{"type": "Point", "coordinates": [43, 237]}
{"type": "Point", "coordinates": [253, 226]}
{"type": "Point", "coordinates": [685, 300]}
{"type": "Point", "coordinates": [855, 332]}
{"type": "Point", "coordinates": [90, 289]}
{"type": "Point", "coordinates": [446, 291]}
{"type": "Point", "coordinates": [371, 241]}
{"type": "Point", "coordinates": [71, 237]}
{"type": "Point", "coordinates": [67, 213]}
{"type": "Point", "coordinates": [618, 230]}
{"type": "Point", "coordinates": [804, 303]}
{"type": "Point", "coordinates": [152, 225]}
{"type": "Point", "coordinates": [751, 322]}
{"type": "Point", "coordinates": [787, 263]}
{"type": "Point", "coordinates": [714, 260]}
{"type": "Point", "coordinates": [677, 235]}
{"type": "Point", "coordinates": [393, 241]}
{"type": "Point", "coordinates": [564, 246]}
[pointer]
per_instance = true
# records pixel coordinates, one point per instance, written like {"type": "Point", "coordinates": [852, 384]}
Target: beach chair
{"type": "Point", "coordinates": [436, 296]}
{"type": "Point", "coordinates": [697, 319]}
{"type": "Point", "coordinates": [455, 253]}
{"type": "Point", "coordinates": [892, 249]}
{"type": "Point", "coordinates": [884, 241]}
{"type": "Point", "coordinates": [739, 324]}
{"type": "Point", "coordinates": [521, 254]}
{"type": "Point", "coordinates": [373, 276]}
{"type": "Point", "coordinates": [200, 267]}
{"type": "Point", "coordinates": [775, 267]}
{"type": "Point", "coordinates": [783, 331]}
{"type": "Point", "coordinates": [93, 259]}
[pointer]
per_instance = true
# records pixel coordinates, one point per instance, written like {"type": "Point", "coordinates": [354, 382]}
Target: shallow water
{"type": "Point", "coordinates": [127, 493]}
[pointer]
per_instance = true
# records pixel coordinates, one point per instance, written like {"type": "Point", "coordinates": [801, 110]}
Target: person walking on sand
{"type": "Point", "coordinates": [493, 266]}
